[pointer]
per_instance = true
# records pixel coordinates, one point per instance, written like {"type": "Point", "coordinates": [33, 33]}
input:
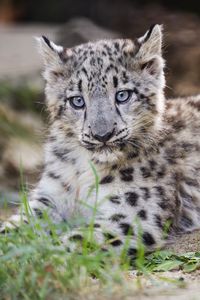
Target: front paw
{"type": "Point", "coordinates": [12, 223]}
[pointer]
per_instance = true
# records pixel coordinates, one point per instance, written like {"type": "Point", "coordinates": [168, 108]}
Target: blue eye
{"type": "Point", "coordinates": [77, 102]}
{"type": "Point", "coordinates": [123, 96]}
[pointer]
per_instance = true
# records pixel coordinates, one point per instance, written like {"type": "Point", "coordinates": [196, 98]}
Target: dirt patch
{"type": "Point", "coordinates": [186, 243]}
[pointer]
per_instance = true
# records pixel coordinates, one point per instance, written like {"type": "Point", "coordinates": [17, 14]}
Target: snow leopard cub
{"type": "Point", "coordinates": [107, 106]}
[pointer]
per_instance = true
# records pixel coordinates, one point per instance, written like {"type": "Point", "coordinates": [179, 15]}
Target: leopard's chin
{"type": "Point", "coordinates": [107, 154]}
{"type": "Point", "coordinates": [112, 153]}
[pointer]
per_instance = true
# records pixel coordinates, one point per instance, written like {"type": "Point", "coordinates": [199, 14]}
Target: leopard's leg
{"type": "Point", "coordinates": [52, 196]}
{"type": "Point", "coordinates": [121, 236]}
{"type": "Point", "coordinates": [33, 209]}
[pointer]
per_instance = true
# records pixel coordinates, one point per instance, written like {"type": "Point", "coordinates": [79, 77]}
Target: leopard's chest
{"type": "Point", "coordinates": [117, 190]}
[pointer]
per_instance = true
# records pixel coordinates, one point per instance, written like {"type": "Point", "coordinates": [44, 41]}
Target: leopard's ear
{"type": "Point", "coordinates": [54, 58]}
{"type": "Point", "coordinates": [151, 42]}
{"type": "Point", "coordinates": [150, 50]}
{"type": "Point", "coordinates": [50, 52]}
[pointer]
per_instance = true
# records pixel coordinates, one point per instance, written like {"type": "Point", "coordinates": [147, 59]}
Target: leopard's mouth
{"type": "Point", "coordinates": [112, 152]}
{"type": "Point", "coordinates": [105, 147]}
{"type": "Point", "coordinates": [118, 144]}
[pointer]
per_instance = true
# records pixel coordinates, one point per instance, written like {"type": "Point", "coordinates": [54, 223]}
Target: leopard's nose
{"type": "Point", "coordinates": [103, 137]}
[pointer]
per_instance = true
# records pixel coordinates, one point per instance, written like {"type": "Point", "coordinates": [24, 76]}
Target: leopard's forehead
{"type": "Point", "coordinates": [97, 61]}
{"type": "Point", "coordinates": [109, 48]}
{"type": "Point", "coordinates": [103, 55]}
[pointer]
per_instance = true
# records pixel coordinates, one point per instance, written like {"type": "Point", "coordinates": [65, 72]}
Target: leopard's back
{"type": "Point", "coordinates": [183, 154]}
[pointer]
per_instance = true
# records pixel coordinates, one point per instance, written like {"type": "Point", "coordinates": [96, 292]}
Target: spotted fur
{"type": "Point", "coordinates": [145, 150]}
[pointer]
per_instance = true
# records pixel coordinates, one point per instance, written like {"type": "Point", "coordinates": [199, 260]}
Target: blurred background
{"type": "Point", "coordinates": [70, 22]}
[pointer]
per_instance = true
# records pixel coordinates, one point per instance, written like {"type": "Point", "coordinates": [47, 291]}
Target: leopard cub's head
{"type": "Point", "coordinates": [107, 95]}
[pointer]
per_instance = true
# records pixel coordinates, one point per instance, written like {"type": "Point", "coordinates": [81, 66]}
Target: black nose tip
{"type": "Point", "coordinates": [104, 137]}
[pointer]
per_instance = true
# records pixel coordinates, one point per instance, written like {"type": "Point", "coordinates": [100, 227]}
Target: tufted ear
{"type": "Point", "coordinates": [151, 42]}
{"type": "Point", "coordinates": [54, 58]}
{"type": "Point", "coordinates": [50, 52]}
{"type": "Point", "coordinates": [150, 50]}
